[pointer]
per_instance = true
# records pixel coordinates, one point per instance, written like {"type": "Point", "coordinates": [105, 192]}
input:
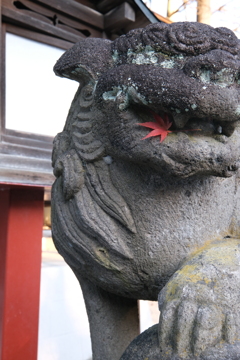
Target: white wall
{"type": "Point", "coordinates": [63, 327]}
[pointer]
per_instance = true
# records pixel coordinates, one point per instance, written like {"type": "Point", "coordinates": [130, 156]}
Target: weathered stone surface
{"type": "Point", "coordinates": [200, 311]}
{"type": "Point", "coordinates": [146, 347]}
{"type": "Point", "coordinates": [136, 217]}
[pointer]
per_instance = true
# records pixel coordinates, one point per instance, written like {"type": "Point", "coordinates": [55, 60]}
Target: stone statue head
{"type": "Point", "coordinates": [188, 71]}
{"type": "Point", "coordinates": [187, 75]}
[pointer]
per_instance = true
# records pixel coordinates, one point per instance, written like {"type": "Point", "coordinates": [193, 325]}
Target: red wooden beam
{"type": "Point", "coordinates": [21, 220]}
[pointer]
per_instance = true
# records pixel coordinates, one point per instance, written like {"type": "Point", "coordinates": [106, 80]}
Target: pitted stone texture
{"type": "Point", "coordinates": [146, 347]}
{"type": "Point", "coordinates": [178, 38]}
{"type": "Point", "coordinates": [200, 311]}
{"type": "Point", "coordinates": [129, 213]}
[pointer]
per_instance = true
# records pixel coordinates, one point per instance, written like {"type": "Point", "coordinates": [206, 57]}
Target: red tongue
{"type": "Point", "coordinates": [160, 127]}
{"type": "Point", "coordinates": [164, 121]}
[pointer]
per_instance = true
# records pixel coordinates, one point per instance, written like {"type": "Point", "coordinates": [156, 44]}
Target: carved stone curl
{"type": "Point", "coordinates": [144, 219]}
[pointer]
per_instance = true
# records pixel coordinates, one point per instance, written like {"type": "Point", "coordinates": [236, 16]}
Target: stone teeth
{"type": "Point", "coordinates": [180, 120]}
{"type": "Point", "coordinates": [219, 129]}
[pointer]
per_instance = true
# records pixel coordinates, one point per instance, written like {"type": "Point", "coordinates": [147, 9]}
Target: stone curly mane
{"type": "Point", "coordinates": [192, 39]}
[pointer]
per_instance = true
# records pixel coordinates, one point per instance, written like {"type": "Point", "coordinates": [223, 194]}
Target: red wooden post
{"type": "Point", "coordinates": [21, 220]}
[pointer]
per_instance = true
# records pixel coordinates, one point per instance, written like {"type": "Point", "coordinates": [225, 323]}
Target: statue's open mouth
{"type": "Point", "coordinates": [166, 124]}
{"type": "Point", "coordinates": [205, 126]}
{"type": "Point", "coordinates": [197, 145]}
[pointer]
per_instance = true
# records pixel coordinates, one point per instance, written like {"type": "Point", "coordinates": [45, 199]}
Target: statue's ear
{"type": "Point", "coordinates": [85, 61]}
{"type": "Point", "coordinates": [77, 72]}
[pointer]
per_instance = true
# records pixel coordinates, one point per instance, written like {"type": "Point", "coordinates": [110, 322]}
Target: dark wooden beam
{"type": "Point", "coordinates": [45, 39]}
{"type": "Point", "coordinates": [23, 19]}
{"type": "Point", "coordinates": [119, 17]}
{"type": "Point", "coordinates": [141, 22]}
{"type": "Point", "coordinates": [77, 11]}
{"type": "Point", "coordinates": [146, 11]}
{"type": "Point", "coordinates": [79, 26]}
{"type": "Point", "coordinates": [51, 17]}
{"type": "Point", "coordinates": [106, 5]}
{"type": "Point", "coordinates": [87, 3]}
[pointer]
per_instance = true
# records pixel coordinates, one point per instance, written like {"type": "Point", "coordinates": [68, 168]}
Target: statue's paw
{"type": "Point", "coordinates": [187, 328]}
{"type": "Point", "coordinates": [199, 305]}
{"type": "Point", "coordinates": [190, 329]}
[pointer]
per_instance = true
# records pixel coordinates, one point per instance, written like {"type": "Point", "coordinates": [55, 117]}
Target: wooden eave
{"type": "Point", "coordinates": [73, 20]}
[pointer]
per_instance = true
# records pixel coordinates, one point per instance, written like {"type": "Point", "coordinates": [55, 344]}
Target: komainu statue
{"type": "Point", "coordinates": [147, 196]}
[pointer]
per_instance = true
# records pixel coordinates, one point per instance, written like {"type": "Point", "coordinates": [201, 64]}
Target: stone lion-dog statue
{"type": "Point", "coordinates": [146, 198]}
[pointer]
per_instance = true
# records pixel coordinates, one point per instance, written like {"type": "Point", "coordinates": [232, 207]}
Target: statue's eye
{"type": "Point", "coordinates": [224, 77]}
{"type": "Point", "coordinates": [208, 74]}
{"type": "Point", "coordinates": [203, 73]}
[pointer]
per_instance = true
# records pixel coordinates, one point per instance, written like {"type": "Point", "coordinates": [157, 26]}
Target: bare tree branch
{"type": "Point", "coordinates": [183, 6]}
{"type": "Point", "coordinates": [221, 8]}
{"type": "Point", "coordinates": [236, 29]}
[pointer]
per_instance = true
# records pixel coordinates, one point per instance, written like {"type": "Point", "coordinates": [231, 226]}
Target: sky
{"type": "Point", "coordinates": [228, 17]}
